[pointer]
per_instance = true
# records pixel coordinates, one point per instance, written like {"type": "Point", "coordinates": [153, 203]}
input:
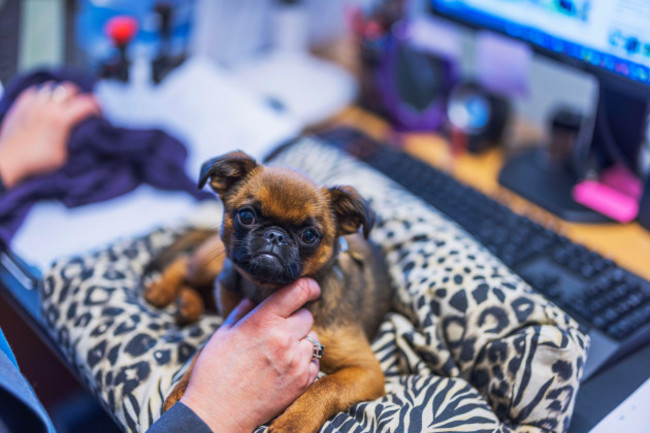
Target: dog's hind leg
{"type": "Point", "coordinates": [206, 262]}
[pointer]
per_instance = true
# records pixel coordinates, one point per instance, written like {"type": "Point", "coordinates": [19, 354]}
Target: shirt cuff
{"type": "Point", "coordinates": [181, 419]}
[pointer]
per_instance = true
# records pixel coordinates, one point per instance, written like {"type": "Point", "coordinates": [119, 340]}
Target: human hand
{"type": "Point", "coordinates": [257, 363]}
{"type": "Point", "coordinates": [35, 131]}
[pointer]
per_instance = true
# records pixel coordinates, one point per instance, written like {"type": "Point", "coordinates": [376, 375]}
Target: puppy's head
{"type": "Point", "coordinates": [279, 225]}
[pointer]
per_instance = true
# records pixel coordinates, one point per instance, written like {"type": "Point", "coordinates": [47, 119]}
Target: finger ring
{"type": "Point", "coordinates": [318, 347]}
{"type": "Point", "coordinates": [45, 91]}
{"type": "Point", "coordinates": [60, 93]}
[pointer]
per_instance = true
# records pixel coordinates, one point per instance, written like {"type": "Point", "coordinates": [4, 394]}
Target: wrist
{"type": "Point", "coordinates": [9, 170]}
{"type": "Point", "coordinates": [10, 177]}
{"type": "Point", "coordinates": [219, 421]}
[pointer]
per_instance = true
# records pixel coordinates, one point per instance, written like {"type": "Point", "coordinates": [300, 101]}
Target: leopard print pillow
{"type": "Point", "coordinates": [469, 346]}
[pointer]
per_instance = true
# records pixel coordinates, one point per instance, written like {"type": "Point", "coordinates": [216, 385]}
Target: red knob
{"type": "Point", "coordinates": [121, 29]}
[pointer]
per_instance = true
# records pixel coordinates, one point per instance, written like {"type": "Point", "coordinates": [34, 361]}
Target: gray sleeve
{"type": "Point", "coordinates": [179, 418]}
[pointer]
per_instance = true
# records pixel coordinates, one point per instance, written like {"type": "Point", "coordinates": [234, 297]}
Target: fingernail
{"type": "Point", "coordinates": [313, 287]}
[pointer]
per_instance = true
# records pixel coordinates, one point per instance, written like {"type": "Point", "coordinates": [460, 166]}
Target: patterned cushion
{"type": "Point", "coordinates": [469, 346]}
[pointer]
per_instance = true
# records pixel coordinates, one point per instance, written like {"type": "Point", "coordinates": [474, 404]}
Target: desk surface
{"type": "Point", "coordinates": [627, 244]}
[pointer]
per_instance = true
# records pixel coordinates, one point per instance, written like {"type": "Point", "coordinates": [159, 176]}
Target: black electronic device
{"type": "Point", "coordinates": [546, 176]}
{"type": "Point", "coordinates": [607, 39]}
{"type": "Point", "coordinates": [121, 30]}
{"type": "Point", "coordinates": [644, 164]}
{"type": "Point", "coordinates": [402, 81]}
{"type": "Point", "coordinates": [165, 60]}
{"type": "Point", "coordinates": [479, 114]}
{"type": "Point", "coordinates": [644, 206]}
{"type": "Point", "coordinates": [612, 303]}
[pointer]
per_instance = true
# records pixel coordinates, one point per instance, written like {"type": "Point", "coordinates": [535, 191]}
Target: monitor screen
{"type": "Point", "coordinates": [609, 35]}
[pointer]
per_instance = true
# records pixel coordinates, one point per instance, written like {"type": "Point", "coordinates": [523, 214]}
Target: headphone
{"type": "Point", "coordinates": [479, 114]}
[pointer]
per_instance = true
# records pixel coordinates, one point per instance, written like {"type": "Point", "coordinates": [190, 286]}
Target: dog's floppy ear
{"type": "Point", "coordinates": [226, 170]}
{"type": "Point", "coordinates": [351, 210]}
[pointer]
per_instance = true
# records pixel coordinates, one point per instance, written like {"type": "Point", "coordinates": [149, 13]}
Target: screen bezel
{"type": "Point", "coordinates": [630, 86]}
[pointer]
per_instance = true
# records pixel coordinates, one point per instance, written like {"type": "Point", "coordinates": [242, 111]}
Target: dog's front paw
{"type": "Point", "coordinates": [276, 427]}
{"type": "Point", "coordinates": [175, 395]}
{"type": "Point", "coordinates": [292, 423]}
{"type": "Point", "coordinates": [160, 293]}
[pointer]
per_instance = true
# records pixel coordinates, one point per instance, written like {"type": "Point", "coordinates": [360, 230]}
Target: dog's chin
{"type": "Point", "coordinates": [267, 270]}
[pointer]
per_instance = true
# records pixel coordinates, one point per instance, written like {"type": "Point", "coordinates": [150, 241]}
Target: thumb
{"type": "Point", "coordinates": [290, 298]}
{"type": "Point", "coordinates": [242, 309]}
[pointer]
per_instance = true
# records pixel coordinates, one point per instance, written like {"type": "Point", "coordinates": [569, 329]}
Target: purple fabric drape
{"type": "Point", "coordinates": [104, 161]}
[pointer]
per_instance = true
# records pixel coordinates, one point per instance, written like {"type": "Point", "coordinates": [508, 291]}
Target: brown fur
{"type": "Point", "coordinates": [187, 281]}
{"type": "Point", "coordinates": [354, 375]}
{"type": "Point", "coordinates": [355, 293]}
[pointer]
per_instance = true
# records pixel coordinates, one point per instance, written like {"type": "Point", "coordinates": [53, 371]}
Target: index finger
{"type": "Point", "coordinates": [290, 298]}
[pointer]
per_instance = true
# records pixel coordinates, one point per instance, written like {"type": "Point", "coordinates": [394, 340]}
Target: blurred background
{"type": "Point", "coordinates": [57, 32]}
{"type": "Point", "coordinates": [218, 75]}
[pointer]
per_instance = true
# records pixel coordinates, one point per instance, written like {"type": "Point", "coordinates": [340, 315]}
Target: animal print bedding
{"type": "Point", "coordinates": [469, 346]}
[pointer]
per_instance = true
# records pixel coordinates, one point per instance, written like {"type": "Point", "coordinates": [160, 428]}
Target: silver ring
{"type": "Point", "coordinates": [318, 347]}
{"type": "Point", "coordinates": [45, 91]}
{"type": "Point", "coordinates": [60, 93]}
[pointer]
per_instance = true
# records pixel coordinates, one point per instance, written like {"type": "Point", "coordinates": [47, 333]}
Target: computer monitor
{"type": "Point", "coordinates": [609, 39]}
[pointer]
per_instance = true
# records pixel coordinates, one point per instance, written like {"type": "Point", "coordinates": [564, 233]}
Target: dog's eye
{"type": "Point", "coordinates": [309, 236]}
{"type": "Point", "coordinates": [246, 217]}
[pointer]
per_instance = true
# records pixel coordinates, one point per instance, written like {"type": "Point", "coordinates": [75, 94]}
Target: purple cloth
{"type": "Point", "coordinates": [104, 161]}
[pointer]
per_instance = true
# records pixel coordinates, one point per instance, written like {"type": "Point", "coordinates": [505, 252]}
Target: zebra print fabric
{"type": "Point", "coordinates": [469, 346]}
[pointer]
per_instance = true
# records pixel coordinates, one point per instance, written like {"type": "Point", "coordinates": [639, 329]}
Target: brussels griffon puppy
{"type": "Point", "coordinates": [279, 226]}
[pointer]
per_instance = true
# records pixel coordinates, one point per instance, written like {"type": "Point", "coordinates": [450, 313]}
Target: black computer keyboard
{"type": "Point", "coordinates": [612, 303]}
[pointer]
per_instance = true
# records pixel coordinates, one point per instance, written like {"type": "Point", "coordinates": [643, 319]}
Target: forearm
{"type": "Point", "coordinates": [9, 167]}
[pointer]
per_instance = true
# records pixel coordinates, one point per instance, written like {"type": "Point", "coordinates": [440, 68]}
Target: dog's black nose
{"type": "Point", "coordinates": [276, 237]}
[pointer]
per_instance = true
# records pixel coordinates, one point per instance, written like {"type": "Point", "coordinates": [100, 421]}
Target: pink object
{"type": "Point", "coordinates": [621, 179]}
{"type": "Point", "coordinates": [606, 200]}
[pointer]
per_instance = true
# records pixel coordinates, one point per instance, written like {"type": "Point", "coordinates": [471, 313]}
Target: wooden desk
{"type": "Point", "coordinates": [627, 244]}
